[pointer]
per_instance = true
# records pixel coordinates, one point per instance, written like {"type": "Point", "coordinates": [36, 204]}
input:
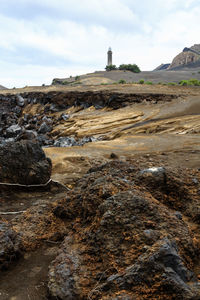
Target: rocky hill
{"type": "Point", "coordinates": [189, 57]}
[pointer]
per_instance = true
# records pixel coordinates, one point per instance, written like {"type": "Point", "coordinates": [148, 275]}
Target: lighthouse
{"type": "Point", "coordinates": [109, 57]}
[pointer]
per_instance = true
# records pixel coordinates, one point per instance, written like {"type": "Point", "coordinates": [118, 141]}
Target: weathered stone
{"type": "Point", "coordinates": [25, 163]}
{"type": "Point", "coordinates": [65, 142]}
{"type": "Point", "coordinates": [20, 101]}
{"type": "Point", "coordinates": [9, 245]}
{"type": "Point", "coordinates": [44, 128]}
{"type": "Point", "coordinates": [65, 117]}
{"type": "Point", "coordinates": [13, 131]}
{"type": "Point", "coordinates": [116, 224]}
{"type": "Point", "coordinates": [27, 135]}
{"type": "Point", "coordinates": [62, 274]}
{"type": "Point", "coordinates": [163, 261]}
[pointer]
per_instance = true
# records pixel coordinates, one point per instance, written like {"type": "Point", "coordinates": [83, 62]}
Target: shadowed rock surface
{"type": "Point", "coordinates": [25, 163]}
{"type": "Point", "coordinates": [122, 240]}
{"type": "Point", "coordinates": [9, 245]}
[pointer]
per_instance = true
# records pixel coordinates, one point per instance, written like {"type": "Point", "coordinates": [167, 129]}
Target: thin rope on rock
{"type": "Point", "coordinates": [11, 212]}
{"type": "Point", "coordinates": [26, 185]}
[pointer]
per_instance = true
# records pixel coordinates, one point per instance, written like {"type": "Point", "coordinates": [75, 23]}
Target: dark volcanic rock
{"type": "Point", "coordinates": [25, 163]}
{"type": "Point", "coordinates": [20, 101]}
{"type": "Point", "coordinates": [163, 262]}
{"type": "Point", "coordinates": [44, 128]}
{"type": "Point", "coordinates": [9, 245]}
{"type": "Point", "coordinates": [13, 131]}
{"type": "Point", "coordinates": [62, 274]}
{"type": "Point", "coordinates": [70, 141]}
{"type": "Point", "coordinates": [122, 241]}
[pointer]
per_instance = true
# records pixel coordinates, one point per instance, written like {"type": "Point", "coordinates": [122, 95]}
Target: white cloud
{"type": "Point", "coordinates": [73, 37]}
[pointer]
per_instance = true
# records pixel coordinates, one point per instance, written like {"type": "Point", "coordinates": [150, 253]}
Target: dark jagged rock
{"type": "Point", "coordinates": [71, 141]}
{"type": "Point", "coordinates": [44, 128]}
{"type": "Point", "coordinates": [9, 245]}
{"type": "Point", "coordinates": [163, 262]}
{"type": "Point", "coordinates": [122, 241]}
{"type": "Point", "coordinates": [27, 135]}
{"type": "Point", "coordinates": [62, 282]}
{"type": "Point", "coordinates": [25, 163]}
{"type": "Point", "coordinates": [13, 131]}
{"type": "Point", "coordinates": [20, 101]}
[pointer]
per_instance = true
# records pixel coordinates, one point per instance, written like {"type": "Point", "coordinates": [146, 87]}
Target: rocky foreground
{"type": "Point", "coordinates": [125, 224]}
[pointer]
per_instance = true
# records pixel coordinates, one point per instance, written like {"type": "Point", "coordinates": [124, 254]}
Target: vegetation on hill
{"type": "Point", "coordinates": [111, 67]}
{"type": "Point", "coordinates": [192, 81]}
{"type": "Point", "coordinates": [133, 68]}
{"type": "Point", "coordinates": [125, 67]}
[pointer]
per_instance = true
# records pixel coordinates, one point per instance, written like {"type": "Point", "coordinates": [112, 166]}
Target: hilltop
{"type": "Point", "coordinates": [110, 77]}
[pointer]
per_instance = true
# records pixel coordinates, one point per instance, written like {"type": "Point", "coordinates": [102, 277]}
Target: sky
{"type": "Point", "coordinates": [45, 39]}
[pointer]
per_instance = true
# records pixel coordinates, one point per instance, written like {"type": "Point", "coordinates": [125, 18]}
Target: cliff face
{"type": "Point", "coordinates": [187, 57]}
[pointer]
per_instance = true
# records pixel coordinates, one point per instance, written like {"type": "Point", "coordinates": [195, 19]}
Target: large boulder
{"type": "Point", "coordinates": [24, 163]}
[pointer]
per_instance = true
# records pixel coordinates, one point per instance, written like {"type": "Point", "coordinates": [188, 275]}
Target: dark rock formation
{"type": "Point", "coordinates": [123, 242]}
{"type": "Point", "coordinates": [16, 116]}
{"type": "Point", "coordinates": [25, 163]}
{"type": "Point", "coordinates": [13, 131]}
{"type": "Point", "coordinates": [163, 262]}
{"type": "Point", "coordinates": [9, 245]}
{"type": "Point", "coordinates": [70, 141]}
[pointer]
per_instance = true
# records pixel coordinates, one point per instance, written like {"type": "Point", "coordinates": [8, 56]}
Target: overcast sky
{"type": "Point", "coordinates": [44, 39]}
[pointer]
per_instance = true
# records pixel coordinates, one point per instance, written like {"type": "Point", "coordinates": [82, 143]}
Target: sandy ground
{"type": "Point", "coordinates": [171, 130]}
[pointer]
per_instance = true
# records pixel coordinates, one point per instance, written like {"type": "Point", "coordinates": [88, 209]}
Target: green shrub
{"type": "Point", "coordinates": [122, 81]}
{"type": "Point", "coordinates": [194, 81]}
{"type": "Point", "coordinates": [191, 82]}
{"type": "Point", "coordinates": [111, 67]}
{"type": "Point", "coordinates": [77, 78]}
{"type": "Point", "coordinates": [183, 82]}
{"type": "Point", "coordinates": [148, 82]}
{"type": "Point", "coordinates": [65, 82]}
{"type": "Point", "coordinates": [133, 68]}
{"type": "Point", "coordinates": [141, 81]}
{"type": "Point", "coordinates": [160, 82]}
